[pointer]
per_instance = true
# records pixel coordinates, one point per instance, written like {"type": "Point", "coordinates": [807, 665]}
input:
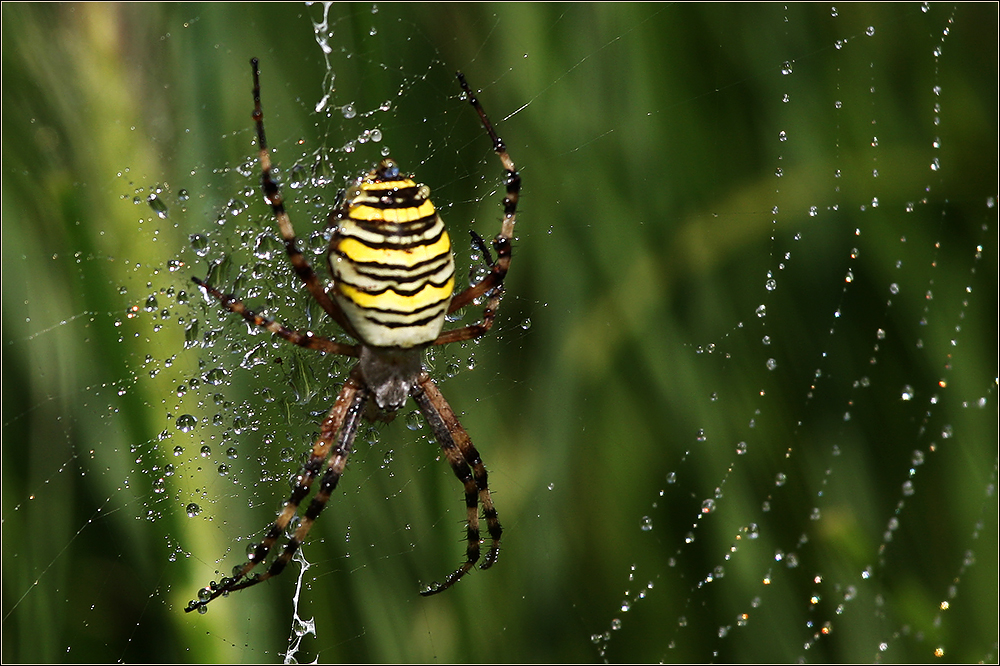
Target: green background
{"type": "Point", "coordinates": [626, 365]}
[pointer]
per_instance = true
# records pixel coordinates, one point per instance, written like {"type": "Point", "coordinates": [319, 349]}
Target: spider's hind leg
{"type": "Point", "coordinates": [469, 468]}
{"type": "Point", "coordinates": [335, 442]}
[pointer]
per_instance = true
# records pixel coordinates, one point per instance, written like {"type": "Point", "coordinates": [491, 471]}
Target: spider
{"type": "Point", "coordinates": [392, 285]}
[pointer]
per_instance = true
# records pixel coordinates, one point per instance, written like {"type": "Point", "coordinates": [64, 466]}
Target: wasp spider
{"type": "Point", "coordinates": [393, 276]}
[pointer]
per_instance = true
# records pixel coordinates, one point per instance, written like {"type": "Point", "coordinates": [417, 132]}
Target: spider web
{"type": "Point", "coordinates": [739, 404]}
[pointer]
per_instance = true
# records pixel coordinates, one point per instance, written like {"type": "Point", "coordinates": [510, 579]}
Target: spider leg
{"type": "Point", "coordinates": [337, 433]}
{"type": "Point", "coordinates": [502, 243]}
{"type": "Point", "coordinates": [478, 329]}
{"type": "Point", "coordinates": [469, 468]}
{"type": "Point", "coordinates": [481, 327]}
{"type": "Point", "coordinates": [272, 195]}
{"type": "Point", "coordinates": [307, 340]}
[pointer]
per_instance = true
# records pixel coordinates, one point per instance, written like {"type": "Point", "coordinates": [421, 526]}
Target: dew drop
{"type": "Point", "coordinates": [215, 376]}
{"type": "Point", "coordinates": [413, 420]}
{"type": "Point", "coordinates": [185, 423]}
{"type": "Point", "coordinates": [156, 203]}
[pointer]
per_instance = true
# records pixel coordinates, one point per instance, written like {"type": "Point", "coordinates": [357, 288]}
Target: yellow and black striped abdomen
{"type": "Point", "coordinates": [391, 260]}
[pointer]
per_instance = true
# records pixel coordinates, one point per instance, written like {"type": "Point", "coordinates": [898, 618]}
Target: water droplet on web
{"type": "Point", "coordinates": [215, 376]}
{"type": "Point", "coordinates": [192, 510]}
{"type": "Point", "coordinates": [199, 244]}
{"type": "Point", "coordinates": [158, 206]}
{"type": "Point", "coordinates": [647, 524]}
{"type": "Point", "coordinates": [267, 246]}
{"type": "Point", "coordinates": [413, 420]}
{"type": "Point", "coordinates": [185, 423]}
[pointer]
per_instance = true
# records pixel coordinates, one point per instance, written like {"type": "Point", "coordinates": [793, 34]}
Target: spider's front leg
{"type": "Point", "coordinates": [470, 470]}
{"type": "Point", "coordinates": [307, 340]}
{"type": "Point", "coordinates": [492, 283]}
{"type": "Point", "coordinates": [337, 434]}
{"type": "Point", "coordinates": [502, 243]}
{"type": "Point", "coordinates": [272, 195]}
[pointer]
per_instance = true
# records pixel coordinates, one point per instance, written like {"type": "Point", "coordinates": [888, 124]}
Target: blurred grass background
{"type": "Point", "coordinates": [628, 350]}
